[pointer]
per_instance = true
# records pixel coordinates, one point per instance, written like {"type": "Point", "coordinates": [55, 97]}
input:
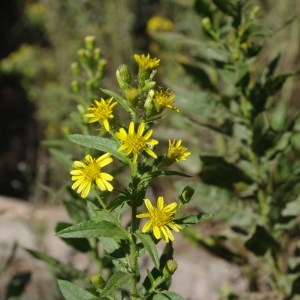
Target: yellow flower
{"type": "Point", "coordinates": [164, 99]}
{"type": "Point", "coordinates": [161, 219]}
{"type": "Point", "coordinates": [157, 23]}
{"type": "Point", "coordinates": [101, 111]}
{"type": "Point", "coordinates": [145, 62]}
{"type": "Point", "coordinates": [176, 152]}
{"type": "Point", "coordinates": [86, 172]}
{"type": "Point", "coordinates": [134, 142]}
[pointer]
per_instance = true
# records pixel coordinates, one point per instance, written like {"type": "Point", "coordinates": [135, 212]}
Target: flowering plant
{"type": "Point", "coordinates": [118, 135]}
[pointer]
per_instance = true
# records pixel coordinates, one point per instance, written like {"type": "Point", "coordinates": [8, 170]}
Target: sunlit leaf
{"type": "Point", "coordinates": [167, 295]}
{"type": "Point", "coordinates": [72, 291]}
{"type": "Point", "coordinates": [117, 280]}
{"type": "Point", "coordinates": [150, 246]}
{"type": "Point", "coordinates": [99, 143]}
{"type": "Point", "coordinates": [190, 220]}
{"type": "Point", "coordinates": [92, 229]}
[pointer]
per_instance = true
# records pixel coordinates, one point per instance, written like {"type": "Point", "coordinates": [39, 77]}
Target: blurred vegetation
{"type": "Point", "coordinates": [234, 68]}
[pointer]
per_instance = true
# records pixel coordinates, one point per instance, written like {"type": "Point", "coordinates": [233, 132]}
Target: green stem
{"type": "Point", "coordinates": [133, 249]}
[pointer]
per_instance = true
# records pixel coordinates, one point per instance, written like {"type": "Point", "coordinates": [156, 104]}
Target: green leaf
{"type": "Point", "coordinates": [226, 6]}
{"type": "Point", "coordinates": [117, 280]}
{"type": "Point", "coordinates": [92, 229]}
{"type": "Point", "coordinates": [200, 76]}
{"type": "Point", "coordinates": [118, 98]}
{"type": "Point", "coordinates": [273, 85]}
{"type": "Point", "coordinates": [99, 143]}
{"type": "Point", "coordinates": [150, 246]}
{"type": "Point", "coordinates": [17, 285]}
{"type": "Point", "coordinates": [81, 245]}
{"type": "Point", "coordinates": [63, 269]}
{"type": "Point", "coordinates": [216, 171]}
{"type": "Point", "coordinates": [61, 157]}
{"type": "Point", "coordinates": [95, 212]}
{"type": "Point", "coordinates": [186, 194]}
{"type": "Point", "coordinates": [160, 173]}
{"type": "Point", "coordinates": [71, 291]}
{"type": "Point", "coordinates": [272, 66]}
{"type": "Point", "coordinates": [167, 295]}
{"type": "Point", "coordinates": [190, 220]}
{"type": "Point", "coordinates": [260, 241]}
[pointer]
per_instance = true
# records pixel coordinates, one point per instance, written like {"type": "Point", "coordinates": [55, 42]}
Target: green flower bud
{"type": "Point", "coordinates": [97, 53]}
{"type": "Point", "coordinates": [149, 101]}
{"type": "Point", "coordinates": [97, 281]}
{"type": "Point", "coordinates": [101, 65]}
{"type": "Point", "coordinates": [206, 23]}
{"type": "Point", "coordinates": [123, 77]}
{"type": "Point", "coordinates": [254, 12]}
{"type": "Point", "coordinates": [170, 268]}
{"type": "Point", "coordinates": [81, 53]}
{"type": "Point", "coordinates": [75, 68]}
{"type": "Point", "coordinates": [83, 56]}
{"type": "Point", "coordinates": [186, 194]}
{"type": "Point", "coordinates": [90, 42]}
{"type": "Point", "coordinates": [149, 85]}
{"type": "Point", "coordinates": [132, 95]}
{"type": "Point", "coordinates": [75, 86]}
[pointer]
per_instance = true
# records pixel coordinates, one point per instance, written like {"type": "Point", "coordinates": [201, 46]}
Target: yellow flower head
{"type": "Point", "coordinates": [157, 23]}
{"type": "Point", "coordinates": [176, 152]}
{"type": "Point", "coordinates": [161, 219]}
{"type": "Point", "coordinates": [164, 99]}
{"type": "Point", "coordinates": [145, 62]}
{"type": "Point", "coordinates": [86, 172]}
{"type": "Point", "coordinates": [101, 111]}
{"type": "Point", "coordinates": [134, 142]}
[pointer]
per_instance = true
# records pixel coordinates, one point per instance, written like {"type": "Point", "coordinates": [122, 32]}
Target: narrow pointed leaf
{"type": "Point", "coordinates": [167, 295]}
{"type": "Point", "coordinates": [118, 98]}
{"type": "Point", "coordinates": [71, 291]}
{"type": "Point", "coordinates": [99, 143]}
{"type": "Point", "coordinates": [150, 246]}
{"type": "Point", "coordinates": [92, 229]}
{"type": "Point", "coordinates": [117, 280]}
{"type": "Point", "coordinates": [194, 219]}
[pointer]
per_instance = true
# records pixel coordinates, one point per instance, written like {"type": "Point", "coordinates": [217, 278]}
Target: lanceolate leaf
{"type": "Point", "coordinates": [117, 280]}
{"type": "Point", "coordinates": [71, 291]}
{"type": "Point", "coordinates": [118, 98]}
{"type": "Point", "coordinates": [194, 219]}
{"type": "Point", "coordinates": [63, 269]}
{"type": "Point", "coordinates": [99, 143]}
{"type": "Point", "coordinates": [168, 173]}
{"type": "Point", "coordinates": [150, 246]}
{"type": "Point", "coordinates": [92, 229]}
{"type": "Point", "coordinates": [167, 295]}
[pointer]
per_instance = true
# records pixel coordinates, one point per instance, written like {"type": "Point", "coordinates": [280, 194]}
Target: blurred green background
{"type": "Point", "coordinates": [39, 40]}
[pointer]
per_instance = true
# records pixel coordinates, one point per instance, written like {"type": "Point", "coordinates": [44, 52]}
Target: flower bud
{"type": "Point", "coordinates": [97, 281]}
{"type": "Point", "coordinates": [254, 12]}
{"type": "Point", "coordinates": [97, 53]}
{"type": "Point", "coordinates": [186, 194]}
{"type": "Point", "coordinates": [206, 23]}
{"type": "Point", "coordinates": [131, 94]}
{"type": "Point", "coordinates": [75, 68]}
{"type": "Point", "coordinates": [170, 268]}
{"type": "Point", "coordinates": [90, 42]}
{"type": "Point", "coordinates": [123, 77]}
{"type": "Point", "coordinates": [75, 86]}
{"type": "Point", "coordinates": [83, 56]}
{"type": "Point", "coordinates": [149, 101]}
{"type": "Point", "coordinates": [149, 85]}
